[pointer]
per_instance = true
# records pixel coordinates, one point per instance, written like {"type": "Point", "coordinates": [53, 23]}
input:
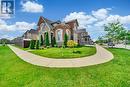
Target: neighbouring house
{"type": "Point", "coordinates": [24, 41]}
{"type": "Point", "coordinates": [58, 29]}
{"type": "Point", "coordinates": [18, 41]}
{"type": "Point", "coordinates": [31, 34]}
{"type": "Point", "coordinates": [83, 37]}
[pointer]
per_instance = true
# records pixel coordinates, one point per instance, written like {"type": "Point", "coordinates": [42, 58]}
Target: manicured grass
{"type": "Point", "coordinates": [65, 52]}
{"type": "Point", "coordinates": [21, 47]}
{"type": "Point", "coordinates": [16, 73]}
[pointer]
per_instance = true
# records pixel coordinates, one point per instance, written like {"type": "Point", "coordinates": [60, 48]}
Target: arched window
{"type": "Point", "coordinates": [42, 25]}
{"type": "Point", "coordinates": [68, 33]}
{"type": "Point", "coordinates": [59, 35]}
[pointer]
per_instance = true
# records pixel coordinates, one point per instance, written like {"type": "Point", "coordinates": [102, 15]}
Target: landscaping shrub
{"type": "Point", "coordinates": [32, 44]}
{"type": "Point", "coordinates": [48, 47]}
{"type": "Point", "coordinates": [3, 43]}
{"type": "Point", "coordinates": [65, 39]}
{"type": "Point", "coordinates": [71, 43]}
{"type": "Point", "coordinates": [37, 44]}
{"type": "Point", "coordinates": [63, 46]}
{"type": "Point", "coordinates": [47, 39]}
{"type": "Point", "coordinates": [77, 52]}
{"type": "Point", "coordinates": [55, 45]}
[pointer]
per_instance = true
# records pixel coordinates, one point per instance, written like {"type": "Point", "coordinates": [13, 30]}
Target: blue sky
{"type": "Point", "coordinates": [91, 14]}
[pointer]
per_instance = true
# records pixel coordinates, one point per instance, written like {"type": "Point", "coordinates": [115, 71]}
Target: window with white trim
{"type": "Point", "coordinates": [59, 35]}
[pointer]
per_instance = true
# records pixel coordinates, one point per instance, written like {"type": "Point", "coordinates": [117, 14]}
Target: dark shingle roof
{"type": "Point", "coordinates": [32, 31]}
{"type": "Point", "coordinates": [49, 22]}
{"type": "Point", "coordinates": [81, 30]}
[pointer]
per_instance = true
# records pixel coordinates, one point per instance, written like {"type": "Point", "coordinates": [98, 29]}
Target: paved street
{"type": "Point", "coordinates": [122, 46]}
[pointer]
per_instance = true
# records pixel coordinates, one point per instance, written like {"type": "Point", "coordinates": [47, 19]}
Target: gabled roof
{"type": "Point", "coordinates": [50, 23]}
{"type": "Point", "coordinates": [45, 20]}
{"type": "Point", "coordinates": [25, 33]}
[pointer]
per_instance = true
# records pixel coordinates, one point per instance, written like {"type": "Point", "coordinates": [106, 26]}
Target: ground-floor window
{"type": "Point", "coordinates": [59, 35]}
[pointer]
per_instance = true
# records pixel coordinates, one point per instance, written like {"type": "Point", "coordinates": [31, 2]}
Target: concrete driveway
{"type": "Point", "coordinates": [102, 55]}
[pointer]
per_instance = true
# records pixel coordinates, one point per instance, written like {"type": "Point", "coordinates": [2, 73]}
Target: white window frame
{"type": "Point", "coordinates": [61, 35]}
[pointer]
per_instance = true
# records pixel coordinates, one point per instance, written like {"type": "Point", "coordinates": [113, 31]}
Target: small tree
{"type": "Point", "coordinates": [37, 44]}
{"type": "Point", "coordinates": [115, 31]}
{"type": "Point", "coordinates": [65, 39]}
{"type": "Point", "coordinates": [47, 39]}
{"type": "Point", "coordinates": [41, 40]}
{"type": "Point", "coordinates": [32, 44]}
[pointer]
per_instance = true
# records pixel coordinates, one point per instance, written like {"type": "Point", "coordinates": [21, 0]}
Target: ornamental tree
{"type": "Point", "coordinates": [115, 31]}
{"type": "Point", "coordinates": [65, 39]}
{"type": "Point", "coordinates": [47, 39]}
{"type": "Point", "coordinates": [37, 44]}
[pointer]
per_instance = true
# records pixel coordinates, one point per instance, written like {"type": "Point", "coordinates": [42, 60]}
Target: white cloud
{"type": "Point", "coordinates": [18, 26]}
{"type": "Point", "coordinates": [82, 18]}
{"type": "Point", "coordinates": [24, 25]}
{"type": "Point", "coordinates": [14, 30]}
{"type": "Point", "coordinates": [6, 36]}
{"type": "Point", "coordinates": [101, 13]}
{"type": "Point", "coordinates": [95, 21]}
{"type": "Point", "coordinates": [122, 19]}
{"type": "Point", "coordinates": [32, 7]}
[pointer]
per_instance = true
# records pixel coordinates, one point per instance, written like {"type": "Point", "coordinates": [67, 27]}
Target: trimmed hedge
{"type": "Point", "coordinates": [37, 44]}
{"type": "Point", "coordinates": [65, 39]}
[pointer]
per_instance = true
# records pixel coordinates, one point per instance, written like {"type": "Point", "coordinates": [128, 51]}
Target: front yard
{"type": "Point", "coordinates": [65, 52]}
{"type": "Point", "coordinates": [14, 72]}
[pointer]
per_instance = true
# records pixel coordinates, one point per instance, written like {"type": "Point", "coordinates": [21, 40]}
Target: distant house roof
{"type": "Point", "coordinates": [26, 32]}
{"type": "Point", "coordinates": [80, 30]}
{"type": "Point", "coordinates": [32, 31]}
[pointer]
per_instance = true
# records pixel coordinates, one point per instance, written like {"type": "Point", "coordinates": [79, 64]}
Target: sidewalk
{"type": "Point", "coordinates": [102, 55]}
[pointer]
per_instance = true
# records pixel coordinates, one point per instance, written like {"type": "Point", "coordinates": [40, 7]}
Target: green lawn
{"type": "Point", "coordinates": [16, 73]}
{"type": "Point", "coordinates": [21, 47]}
{"type": "Point", "coordinates": [65, 52]}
